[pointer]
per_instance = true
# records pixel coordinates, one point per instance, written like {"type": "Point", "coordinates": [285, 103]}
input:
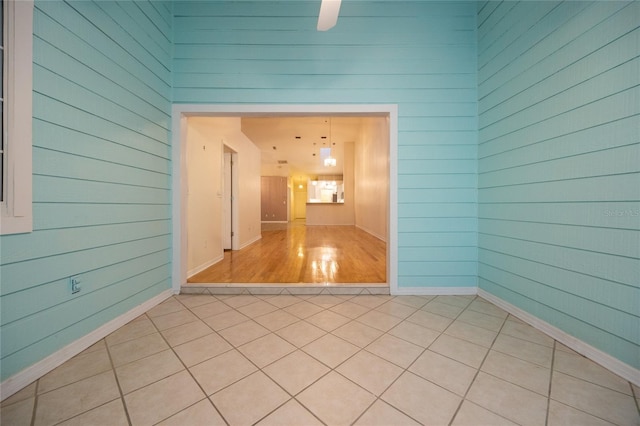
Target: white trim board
{"type": "Point", "coordinates": [32, 373]}
{"type": "Point", "coordinates": [248, 243]}
{"type": "Point", "coordinates": [435, 291]}
{"type": "Point", "coordinates": [204, 266]}
{"type": "Point", "coordinates": [179, 115]}
{"type": "Point", "coordinates": [607, 361]}
{"type": "Point", "coordinates": [16, 211]}
{"type": "Point", "coordinates": [287, 289]}
{"type": "Point", "coordinates": [382, 238]}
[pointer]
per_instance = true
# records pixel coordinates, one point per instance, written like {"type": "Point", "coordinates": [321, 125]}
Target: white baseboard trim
{"type": "Point", "coordinates": [607, 361]}
{"type": "Point", "coordinates": [30, 374]}
{"type": "Point", "coordinates": [248, 243]}
{"type": "Point", "coordinates": [212, 262]}
{"type": "Point", "coordinates": [435, 291]}
{"type": "Point", "coordinates": [368, 231]}
{"type": "Point", "coordinates": [204, 266]}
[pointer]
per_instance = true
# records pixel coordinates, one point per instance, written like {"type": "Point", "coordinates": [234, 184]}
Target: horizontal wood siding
{"type": "Point", "coordinates": [419, 55]}
{"type": "Point", "coordinates": [101, 184]}
{"type": "Point", "coordinates": [559, 165]}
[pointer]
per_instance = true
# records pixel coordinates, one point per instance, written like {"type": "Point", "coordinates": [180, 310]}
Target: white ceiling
{"type": "Point", "coordinates": [276, 137]}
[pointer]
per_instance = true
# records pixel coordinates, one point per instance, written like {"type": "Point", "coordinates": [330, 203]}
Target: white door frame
{"type": "Point", "coordinates": [179, 115]}
{"type": "Point", "coordinates": [230, 200]}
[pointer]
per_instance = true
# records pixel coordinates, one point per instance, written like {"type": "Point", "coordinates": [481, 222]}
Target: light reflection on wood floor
{"type": "Point", "coordinates": [295, 253]}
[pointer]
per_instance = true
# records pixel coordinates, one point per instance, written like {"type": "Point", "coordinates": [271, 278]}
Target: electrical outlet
{"type": "Point", "coordinates": [74, 283]}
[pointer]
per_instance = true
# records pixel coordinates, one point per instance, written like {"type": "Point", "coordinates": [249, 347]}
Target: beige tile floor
{"type": "Point", "coordinates": [325, 359]}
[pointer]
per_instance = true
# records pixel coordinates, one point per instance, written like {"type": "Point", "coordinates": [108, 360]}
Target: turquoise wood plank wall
{"type": "Point", "coordinates": [553, 160]}
{"type": "Point", "coordinates": [101, 114]}
{"type": "Point", "coordinates": [559, 163]}
{"type": "Point", "coordinates": [419, 55]}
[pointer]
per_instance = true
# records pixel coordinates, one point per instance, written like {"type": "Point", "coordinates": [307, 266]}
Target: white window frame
{"type": "Point", "coordinates": [16, 212]}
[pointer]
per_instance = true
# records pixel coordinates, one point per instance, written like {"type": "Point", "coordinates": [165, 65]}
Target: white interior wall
{"type": "Point", "coordinates": [371, 177]}
{"type": "Point", "coordinates": [300, 201]}
{"type": "Point", "coordinates": [247, 215]}
{"type": "Point", "coordinates": [204, 174]}
{"type": "Point", "coordinates": [204, 199]}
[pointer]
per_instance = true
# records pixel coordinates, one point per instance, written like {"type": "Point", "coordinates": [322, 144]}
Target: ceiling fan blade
{"type": "Point", "coordinates": [328, 17]}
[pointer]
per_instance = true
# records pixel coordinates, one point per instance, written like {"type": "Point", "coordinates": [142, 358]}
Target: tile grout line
{"type": "Point", "coordinates": [475, 376]}
{"type": "Point", "coordinates": [360, 349]}
{"type": "Point", "coordinates": [593, 382]}
{"type": "Point", "coordinates": [464, 397]}
{"type": "Point", "coordinates": [489, 349]}
{"type": "Point", "coordinates": [325, 309]}
{"type": "Point", "coordinates": [259, 369]}
{"type": "Point", "coordinates": [206, 397]}
{"type": "Point", "coordinates": [188, 370]}
{"type": "Point", "coordinates": [526, 361]}
{"type": "Point", "coordinates": [112, 369]}
{"type": "Point", "coordinates": [291, 397]}
{"type": "Point", "coordinates": [35, 403]}
{"type": "Point", "coordinates": [115, 374]}
{"type": "Point", "coordinates": [153, 354]}
{"type": "Point", "coordinates": [635, 396]}
{"type": "Point", "coordinates": [552, 369]}
{"type": "Point", "coordinates": [331, 369]}
{"type": "Point", "coordinates": [441, 333]}
{"type": "Point", "coordinates": [334, 369]}
{"type": "Point", "coordinates": [405, 369]}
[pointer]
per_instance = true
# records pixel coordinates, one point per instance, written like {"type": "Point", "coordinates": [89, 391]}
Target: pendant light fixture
{"type": "Point", "coordinates": [330, 161]}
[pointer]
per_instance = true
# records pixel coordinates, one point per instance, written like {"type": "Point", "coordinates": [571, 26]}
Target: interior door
{"type": "Point", "coordinates": [265, 201]}
{"type": "Point", "coordinates": [279, 199]}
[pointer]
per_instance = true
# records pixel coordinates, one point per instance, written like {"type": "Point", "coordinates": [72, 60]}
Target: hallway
{"type": "Point", "coordinates": [296, 253]}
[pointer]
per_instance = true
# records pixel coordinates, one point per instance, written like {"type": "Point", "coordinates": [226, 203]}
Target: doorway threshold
{"type": "Point", "coordinates": [286, 288]}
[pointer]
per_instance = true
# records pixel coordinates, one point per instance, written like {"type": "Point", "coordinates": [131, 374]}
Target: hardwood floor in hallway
{"type": "Point", "coordinates": [296, 253]}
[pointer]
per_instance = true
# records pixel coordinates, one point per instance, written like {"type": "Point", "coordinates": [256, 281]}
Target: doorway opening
{"type": "Point", "coordinates": [183, 113]}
